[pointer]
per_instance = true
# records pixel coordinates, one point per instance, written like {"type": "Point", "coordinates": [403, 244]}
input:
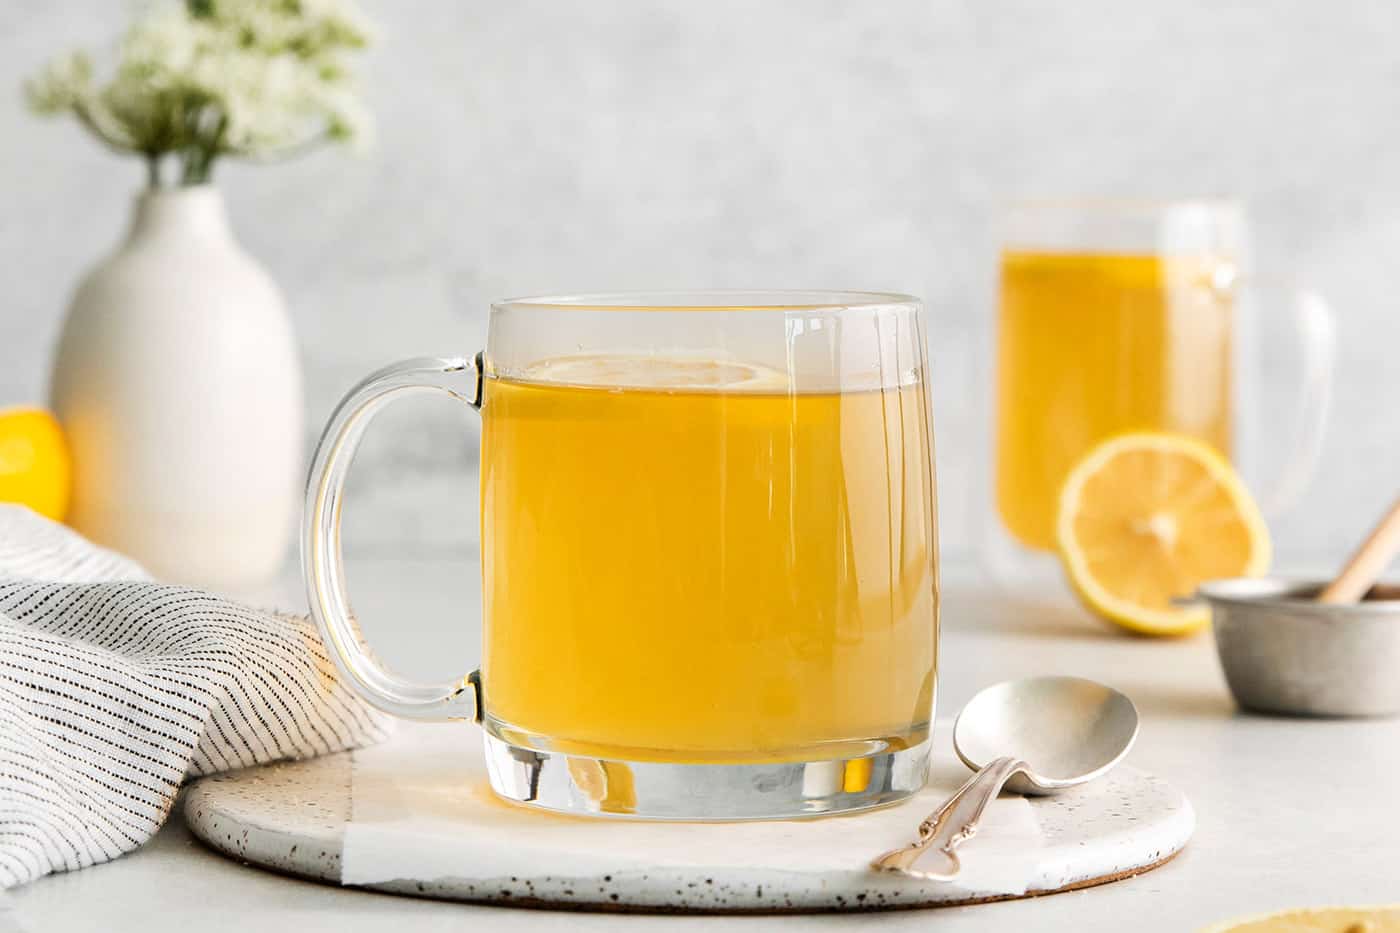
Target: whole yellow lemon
{"type": "Point", "coordinates": [35, 467]}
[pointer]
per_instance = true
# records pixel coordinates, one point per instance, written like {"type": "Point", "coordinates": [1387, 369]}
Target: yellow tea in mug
{"type": "Point", "coordinates": [689, 562]}
{"type": "Point", "coordinates": [1095, 344]}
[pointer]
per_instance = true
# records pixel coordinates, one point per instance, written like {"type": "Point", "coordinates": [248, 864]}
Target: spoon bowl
{"type": "Point", "coordinates": [1067, 730]}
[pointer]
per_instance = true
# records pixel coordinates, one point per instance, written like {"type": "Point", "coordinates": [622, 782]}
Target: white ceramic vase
{"type": "Point", "coordinates": [178, 384]}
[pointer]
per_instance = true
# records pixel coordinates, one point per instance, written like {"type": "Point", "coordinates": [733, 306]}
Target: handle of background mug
{"type": "Point", "coordinates": [321, 554]}
{"type": "Point", "coordinates": [1316, 329]}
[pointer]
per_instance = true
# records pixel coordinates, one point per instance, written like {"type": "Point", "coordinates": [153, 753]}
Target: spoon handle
{"type": "Point", "coordinates": [952, 824]}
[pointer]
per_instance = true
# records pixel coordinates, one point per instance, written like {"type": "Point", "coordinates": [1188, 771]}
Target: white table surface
{"type": "Point", "coordinates": [1290, 812]}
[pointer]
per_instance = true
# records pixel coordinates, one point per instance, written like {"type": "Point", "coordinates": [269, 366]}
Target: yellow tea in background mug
{"type": "Point", "coordinates": [708, 552]}
{"type": "Point", "coordinates": [1093, 344]}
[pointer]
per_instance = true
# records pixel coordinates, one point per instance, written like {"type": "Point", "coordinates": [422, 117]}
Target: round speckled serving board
{"type": "Point", "coordinates": [299, 818]}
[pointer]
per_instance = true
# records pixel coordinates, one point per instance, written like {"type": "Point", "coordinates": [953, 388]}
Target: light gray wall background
{"type": "Point", "coordinates": [533, 147]}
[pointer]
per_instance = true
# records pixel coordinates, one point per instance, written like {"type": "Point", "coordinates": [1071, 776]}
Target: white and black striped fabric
{"type": "Point", "coordinates": [115, 688]}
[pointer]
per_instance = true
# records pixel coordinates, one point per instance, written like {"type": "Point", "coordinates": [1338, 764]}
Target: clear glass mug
{"type": "Point", "coordinates": [1118, 316]}
{"type": "Point", "coordinates": [709, 552]}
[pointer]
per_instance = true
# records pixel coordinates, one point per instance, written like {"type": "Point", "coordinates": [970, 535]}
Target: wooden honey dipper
{"type": "Point", "coordinates": [1367, 564]}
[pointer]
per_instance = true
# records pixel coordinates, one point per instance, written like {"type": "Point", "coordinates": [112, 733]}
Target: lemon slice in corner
{"type": "Point", "coordinates": [1147, 517]}
{"type": "Point", "coordinates": [1318, 920]}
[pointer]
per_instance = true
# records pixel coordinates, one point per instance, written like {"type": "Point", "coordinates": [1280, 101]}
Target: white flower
{"type": "Point", "coordinates": [64, 83]}
{"type": "Point", "coordinates": [214, 77]}
{"type": "Point", "coordinates": [165, 44]}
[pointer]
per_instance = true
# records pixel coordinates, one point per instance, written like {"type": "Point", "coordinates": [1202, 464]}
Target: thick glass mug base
{"type": "Point", "coordinates": [649, 790]}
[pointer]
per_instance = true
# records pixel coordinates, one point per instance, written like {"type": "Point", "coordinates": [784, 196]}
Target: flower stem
{"type": "Point", "coordinates": [109, 137]}
{"type": "Point", "coordinates": [198, 163]}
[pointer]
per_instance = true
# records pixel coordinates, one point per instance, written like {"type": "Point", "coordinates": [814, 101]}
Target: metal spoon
{"type": "Point", "coordinates": [1034, 736]}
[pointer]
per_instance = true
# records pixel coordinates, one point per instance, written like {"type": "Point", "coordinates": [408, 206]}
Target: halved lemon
{"type": "Point", "coordinates": [1145, 518]}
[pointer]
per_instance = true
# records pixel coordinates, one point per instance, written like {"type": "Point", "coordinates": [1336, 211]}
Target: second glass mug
{"type": "Point", "coordinates": [1121, 316]}
{"type": "Point", "coordinates": [709, 552]}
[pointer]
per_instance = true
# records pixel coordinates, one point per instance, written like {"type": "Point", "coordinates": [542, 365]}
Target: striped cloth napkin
{"type": "Point", "coordinates": [115, 688]}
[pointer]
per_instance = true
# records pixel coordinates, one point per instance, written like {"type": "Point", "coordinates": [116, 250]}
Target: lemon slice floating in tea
{"type": "Point", "coordinates": [1147, 517]}
{"type": "Point", "coordinates": [659, 372]}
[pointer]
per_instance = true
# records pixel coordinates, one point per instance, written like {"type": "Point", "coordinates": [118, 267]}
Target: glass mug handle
{"type": "Point", "coordinates": [1315, 328]}
{"type": "Point", "coordinates": [321, 553]}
